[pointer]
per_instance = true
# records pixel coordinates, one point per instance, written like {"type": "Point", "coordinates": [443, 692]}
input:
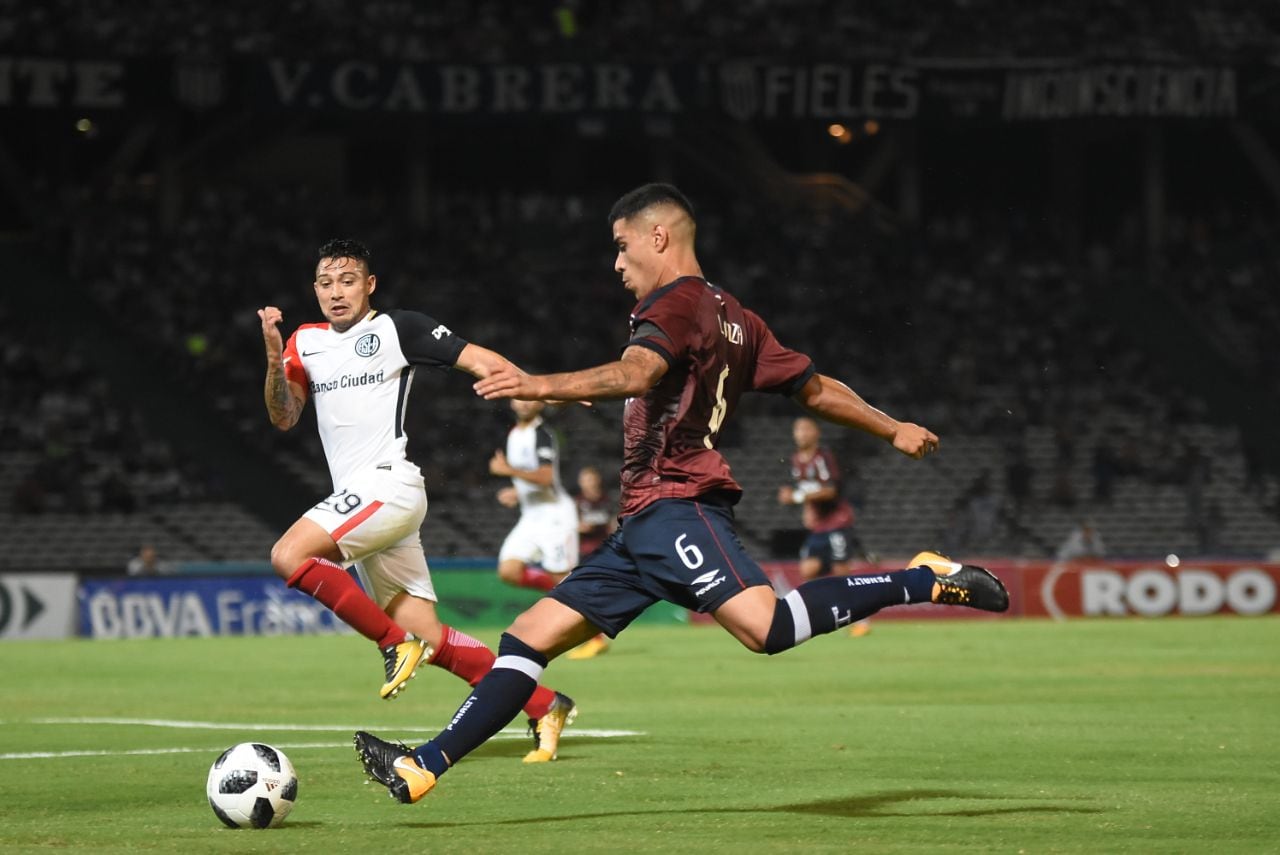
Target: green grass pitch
{"type": "Point", "coordinates": [1006, 736]}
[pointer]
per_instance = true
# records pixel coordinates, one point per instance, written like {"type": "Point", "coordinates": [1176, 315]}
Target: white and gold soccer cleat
{"type": "Point", "coordinates": [546, 730]}
{"type": "Point", "coordinates": [402, 661]}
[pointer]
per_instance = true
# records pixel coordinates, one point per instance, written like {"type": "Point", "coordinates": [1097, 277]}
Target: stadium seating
{"type": "Point", "coordinates": [933, 327]}
{"type": "Point", "coordinates": [635, 29]}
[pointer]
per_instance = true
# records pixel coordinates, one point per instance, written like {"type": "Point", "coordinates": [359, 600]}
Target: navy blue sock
{"type": "Point", "coordinates": [494, 702]}
{"type": "Point", "coordinates": [823, 605]}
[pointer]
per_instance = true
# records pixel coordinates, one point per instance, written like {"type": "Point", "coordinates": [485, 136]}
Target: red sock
{"type": "Point", "coordinates": [333, 586]}
{"type": "Point", "coordinates": [470, 659]}
{"type": "Point", "coordinates": [532, 577]}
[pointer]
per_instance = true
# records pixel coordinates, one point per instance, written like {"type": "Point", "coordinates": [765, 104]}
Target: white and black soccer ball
{"type": "Point", "coordinates": [252, 786]}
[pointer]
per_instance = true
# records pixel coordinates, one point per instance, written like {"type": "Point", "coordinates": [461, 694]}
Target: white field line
{"type": "Point", "coordinates": [40, 755]}
{"type": "Point", "coordinates": [509, 733]}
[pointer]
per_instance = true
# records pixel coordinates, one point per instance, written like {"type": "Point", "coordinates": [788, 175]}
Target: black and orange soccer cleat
{"type": "Point", "coordinates": [392, 764]}
{"type": "Point", "coordinates": [964, 584]}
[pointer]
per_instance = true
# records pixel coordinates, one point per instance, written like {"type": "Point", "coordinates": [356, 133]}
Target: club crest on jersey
{"type": "Point", "coordinates": [368, 344]}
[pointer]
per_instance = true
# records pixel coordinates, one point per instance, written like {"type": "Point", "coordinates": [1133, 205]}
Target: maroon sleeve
{"type": "Point", "coordinates": [778, 369]}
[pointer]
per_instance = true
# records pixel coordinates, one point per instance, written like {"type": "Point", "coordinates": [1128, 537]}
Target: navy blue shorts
{"type": "Point", "coordinates": [831, 547]}
{"type": "Point", "coordinates": [679, 550]}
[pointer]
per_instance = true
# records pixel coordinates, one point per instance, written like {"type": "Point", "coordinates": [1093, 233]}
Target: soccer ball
{"type": "Point", "coordinates": [252, 786]}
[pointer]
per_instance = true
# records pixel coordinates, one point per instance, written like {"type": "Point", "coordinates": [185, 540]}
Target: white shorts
{"type": "Point", "coordinates": [375, 520]}
{"type": "Point", "coordinates": [547, 537]}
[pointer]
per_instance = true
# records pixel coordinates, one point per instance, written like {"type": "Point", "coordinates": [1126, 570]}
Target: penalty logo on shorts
{"type": "Point", "coordinates": [368, 344]}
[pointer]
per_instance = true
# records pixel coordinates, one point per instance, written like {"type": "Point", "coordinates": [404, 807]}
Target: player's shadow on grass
{"type": "Point", "coordinates": [883, 804]}
{"type": "Point", "coordinates": [869, 805]}
{"type": "Point", "coordinates": [505, 749]}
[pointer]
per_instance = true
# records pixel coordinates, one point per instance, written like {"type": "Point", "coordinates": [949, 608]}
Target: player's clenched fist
{"type": "Point", "coordinates": [271, 316]}
{"type": "Point", "coordinates": [914, 441]}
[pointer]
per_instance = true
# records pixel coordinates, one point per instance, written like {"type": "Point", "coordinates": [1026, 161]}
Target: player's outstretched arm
{"type": "Point", "coordinates": [480, 362]}
{"type": "Point", "coordinates": [284, 398]}
{"type": "Point", "coordinates": [635, 373]}
{"type": "Point", "coordinates": [832, 400]}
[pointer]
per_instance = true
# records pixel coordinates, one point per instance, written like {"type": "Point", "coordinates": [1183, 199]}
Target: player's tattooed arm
{"type": "Point", "coordinates": [284, 402]}
{"type": "Point", "coordinates": [832, 400]}
{"type": "Point", "coordinates": [284, 398]}
{"type": "Point", "coordinates": [635, 373]}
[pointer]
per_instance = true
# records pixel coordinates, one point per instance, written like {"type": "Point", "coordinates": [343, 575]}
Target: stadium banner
{"type": "Point", "coordinates": [246, 598]}
{"type": "Point", "coordinates": [1149, 588]}
{"type": "Point", "coordinates": [169, 607]}
{"type": "Point", "coordinates": [37, 605]}
{"type": "Point", "coordinates": [741, 89]}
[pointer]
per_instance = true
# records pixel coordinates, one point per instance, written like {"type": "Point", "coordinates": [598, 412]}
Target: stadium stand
{"type": "Point", "coordinates": [1055, 404]}
{"type": "Point", "coordinates": [84, 481]}
{"type": "Point", "coordinates": [995, 325]}
{"type": "Point", "coordinates": [636, 29]}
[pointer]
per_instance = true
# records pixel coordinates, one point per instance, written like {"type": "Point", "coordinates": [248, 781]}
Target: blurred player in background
{"type": "Point", "coordinates": [547, 533]}
{"type": "Point", "coordinates": [358, 366]}
{"type": "Point", "coordinates": [597, 519]}
{"type": "Point", "coordinates": [597, 512]}
{"type": "Point", "coordinates": [693, 352]}
{"type": "Point", "coordinates": [826, 515]}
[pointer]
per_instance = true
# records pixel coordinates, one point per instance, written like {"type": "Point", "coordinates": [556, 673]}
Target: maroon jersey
{"type": "Point", "coordinates": [594, 517]}
{"type": "Point", "coordinates": [814, 473]}
{"type": "Point", "coordinates": [715, 350]}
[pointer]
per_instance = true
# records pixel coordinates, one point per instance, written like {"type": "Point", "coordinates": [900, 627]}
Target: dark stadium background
{"type": "Point", "coordinates": [1046, 231]}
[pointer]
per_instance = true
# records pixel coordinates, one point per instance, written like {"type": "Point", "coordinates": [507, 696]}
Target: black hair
{"type": "Point", "coordinates": [647, 196]}
{"type": "Point", "coordinates": [347, 248]}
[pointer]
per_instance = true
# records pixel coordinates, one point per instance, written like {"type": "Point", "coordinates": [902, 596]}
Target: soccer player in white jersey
{"type": "Point", "coordinates": [358, 367]}
{"type": "Point", "coordinates": [547, 533]}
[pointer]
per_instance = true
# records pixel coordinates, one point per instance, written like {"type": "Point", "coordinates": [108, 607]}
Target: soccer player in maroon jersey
{"type": "Point", "coordinates": [597, 516]}
{"type": "Point", "coordinates": [693, 351]}
{"type": "Point", "coordinates": [827, 515]}
{"type": "Point", "coordinates": [597, 519]}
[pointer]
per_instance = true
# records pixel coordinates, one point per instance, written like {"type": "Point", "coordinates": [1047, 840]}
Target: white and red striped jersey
{"type": "Point", "coordinates": [360, 379]}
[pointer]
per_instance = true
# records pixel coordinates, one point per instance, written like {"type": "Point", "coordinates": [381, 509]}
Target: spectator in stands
{"type": "Point", "coordinates": [1017, 478]}
{"type": "Point", "coordinates": [1207, 525]}
{"type": "Point", "coordinates": [117, 496]}
{"type": "Point", "coordinates": [1105, 469]}
{"type": "Point", "coordinates": [1063, 492]}
{"type": "Point", "coordinates": [29, 496]}
{"type": "Point", "coordinates": [1128, 462]}
{"type": "Point", "coordinates": [1084, 541]}
{"type": "Point", "coordinates": [147, 563]}
{"type": "Point", "coordinates": [984, 510]}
